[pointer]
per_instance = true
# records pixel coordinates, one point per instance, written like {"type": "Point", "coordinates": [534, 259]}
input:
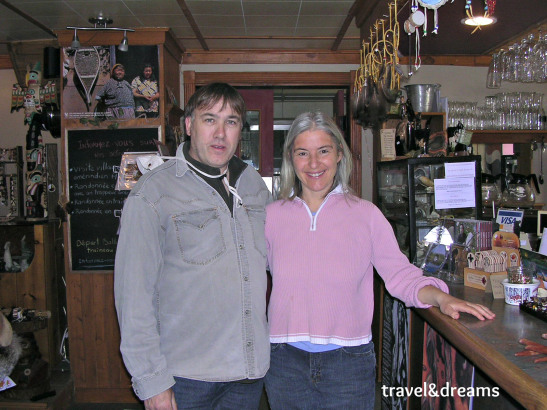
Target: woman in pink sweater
{"type": "Point", "coordinates": [323, 244]}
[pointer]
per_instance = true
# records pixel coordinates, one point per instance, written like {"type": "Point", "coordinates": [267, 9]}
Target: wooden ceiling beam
{"type": "Point", "coordinates": [314, 57]}
{"type": "Point", "coordinates": [30, 19]}
{"type": "Point", "coordinates": [349, 18]}
{"type": "Point", "coordinates": [459, 60]}
{"type": "Point", "coordinates": [269, 79]}
{"type": "Point", "coordinates": [270, 57]}
{"type": "Point", "coordinates": [188, 14]}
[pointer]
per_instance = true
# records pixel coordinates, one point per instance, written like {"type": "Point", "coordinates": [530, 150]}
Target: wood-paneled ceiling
{"type": "Point", "coordinates": [216, 25]}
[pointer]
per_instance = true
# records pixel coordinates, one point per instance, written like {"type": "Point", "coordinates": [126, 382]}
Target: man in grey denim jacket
{"type": "Point", "coordinates": [190, 272]}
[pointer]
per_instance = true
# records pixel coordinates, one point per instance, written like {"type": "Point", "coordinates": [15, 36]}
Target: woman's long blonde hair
{"type": "Point", "coordinates": [290, 186]}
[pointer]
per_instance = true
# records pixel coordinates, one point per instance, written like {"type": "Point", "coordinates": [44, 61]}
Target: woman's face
{"type": "Point", "coordinates": [315, 158]}
{"type": "Point", "coordinates": [147, 72]}
{"type": "Point", "coordinates": [119, 73]}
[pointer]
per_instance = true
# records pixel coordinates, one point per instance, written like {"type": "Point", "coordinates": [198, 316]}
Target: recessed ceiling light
{"type": "Point", "coordinates": [479, 21]}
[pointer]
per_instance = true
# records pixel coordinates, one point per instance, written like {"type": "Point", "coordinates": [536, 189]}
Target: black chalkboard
{"type": "Point", "coordinates": [94, 205]}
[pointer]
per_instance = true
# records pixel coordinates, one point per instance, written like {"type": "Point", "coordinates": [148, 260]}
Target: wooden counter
{"type": "Point", "coordinates": [491, 344]}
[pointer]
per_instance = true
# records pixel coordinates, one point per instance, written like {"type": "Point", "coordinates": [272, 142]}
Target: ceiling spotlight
{"type": "Point", "coordinates": [124, 45]}
{"type": "Point", "coordinates": [100, 23]}
{"type": "Point", "coordinates": [479, 21]}
{"type": "Point", "coordinates": [75, 40]}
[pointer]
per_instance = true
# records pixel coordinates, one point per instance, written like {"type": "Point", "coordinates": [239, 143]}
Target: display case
{"type": "Point", "coordinates": [417, 196]}
{"type": "Point", "coordinates": [406, 196]}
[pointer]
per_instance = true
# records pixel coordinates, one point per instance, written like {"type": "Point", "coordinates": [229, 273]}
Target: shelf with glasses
{"type": "Point", "coordinates": [507, 136]}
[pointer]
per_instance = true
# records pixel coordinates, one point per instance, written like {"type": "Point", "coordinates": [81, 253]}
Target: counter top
{"type": "Point", "coordinates": [491, 344]}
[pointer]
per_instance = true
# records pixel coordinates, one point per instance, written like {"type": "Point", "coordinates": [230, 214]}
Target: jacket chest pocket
{"type": "Point", "coordinates": [199, 236]}
{"type": "Point", "coordinates": [257, 220]}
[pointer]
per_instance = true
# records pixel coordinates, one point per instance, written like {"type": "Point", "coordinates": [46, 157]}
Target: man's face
{"type": "Point", "coordinates": [119, 73]}
{"type": "Point", "coordinates": [215, 133]}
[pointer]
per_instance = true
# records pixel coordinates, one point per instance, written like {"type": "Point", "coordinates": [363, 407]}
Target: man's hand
{"type": "Point", "coordinates": [163, 401]}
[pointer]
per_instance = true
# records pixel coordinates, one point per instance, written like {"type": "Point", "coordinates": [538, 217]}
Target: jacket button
{"type": "Point", "coordinates": [241, 246]}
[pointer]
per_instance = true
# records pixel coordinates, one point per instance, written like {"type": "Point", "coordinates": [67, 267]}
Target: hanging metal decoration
{"type": "Point", "coordinates": [432, 5]}
{"type": "Point", "coordinates": [377, 83]}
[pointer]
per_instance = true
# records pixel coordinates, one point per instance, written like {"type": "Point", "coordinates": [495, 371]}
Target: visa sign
{"type": "Point", "coordinates": [508, 220]}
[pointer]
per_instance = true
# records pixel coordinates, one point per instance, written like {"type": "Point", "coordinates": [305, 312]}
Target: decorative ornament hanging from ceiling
{"type": "Point", "coordinates": [432, 5]}
{"type": "Point", "coordinates": [377, 83]}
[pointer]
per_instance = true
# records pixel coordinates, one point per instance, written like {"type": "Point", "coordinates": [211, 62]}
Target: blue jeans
{"type": "Point", "coordinates": [195, 394]}
{"type": "Point", "coordinates": [338, 379]}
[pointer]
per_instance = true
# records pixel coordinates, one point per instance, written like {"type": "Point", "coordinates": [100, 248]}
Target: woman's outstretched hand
{"type": "Point", "coordinates": [451, 306]}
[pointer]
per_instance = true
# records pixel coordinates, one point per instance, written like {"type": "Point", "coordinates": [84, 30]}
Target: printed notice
{"type": "Point", "coordinates": [387, 138]}
{"type": "Point", "coordinates": [459, 169]}
{"type": "Point", "coordinates": [454, 193]}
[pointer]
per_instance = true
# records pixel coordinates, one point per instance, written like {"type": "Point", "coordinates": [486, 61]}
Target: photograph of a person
{"type": "Point", "coordinates": [146, 92]}
{"type": "Point", "coordinates": [103, 83]}
{"type": "Point", "coordinates": [117, 95]}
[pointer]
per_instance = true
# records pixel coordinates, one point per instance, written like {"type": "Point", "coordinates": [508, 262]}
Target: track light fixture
{"type": "Point", "coordinates": [100, 23]}
{"type": "Point", "coordinates": [124, 45]}
{"type": "Point", "coordinates": [75, 41]}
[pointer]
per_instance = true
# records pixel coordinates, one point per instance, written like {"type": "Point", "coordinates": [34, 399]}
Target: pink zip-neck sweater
{"type": "Point", "coordinates": [322, 270]}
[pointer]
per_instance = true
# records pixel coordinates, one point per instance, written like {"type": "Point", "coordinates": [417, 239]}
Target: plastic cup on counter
{"type": "Point", "coordinates": [517, 293]}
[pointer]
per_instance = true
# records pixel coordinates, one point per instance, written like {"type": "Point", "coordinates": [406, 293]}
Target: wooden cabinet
{"type": "Point", "coordinates": [436, 120]}
{"type": "Point", "coordinates": [96, 363]}
{"type": "Point", "coordinates": [168, 61]}
{"type": "Point", "coordinates": [40, 286]}
{"type": "Point", "coordinates": [507, 136]}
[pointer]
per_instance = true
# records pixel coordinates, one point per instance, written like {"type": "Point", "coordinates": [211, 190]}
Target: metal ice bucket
{"type": "Point", "coordinates": [422, 96]}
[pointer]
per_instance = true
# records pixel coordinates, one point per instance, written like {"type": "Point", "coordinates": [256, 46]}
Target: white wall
{"type": "Point", "coordinates": [467, 83]}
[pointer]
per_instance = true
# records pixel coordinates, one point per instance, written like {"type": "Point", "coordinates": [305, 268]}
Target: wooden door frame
{"type": "Point", "coordinates": [193, 79]}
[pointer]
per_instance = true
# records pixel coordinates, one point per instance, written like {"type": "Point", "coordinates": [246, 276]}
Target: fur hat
{"type": "Point", "coordinates": [6, 334]}
{"type": "Point", "coordinates": [116, 66]}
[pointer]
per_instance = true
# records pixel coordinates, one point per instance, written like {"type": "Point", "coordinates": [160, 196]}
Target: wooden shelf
{"type": "Point", "coordinates": [507, 136]}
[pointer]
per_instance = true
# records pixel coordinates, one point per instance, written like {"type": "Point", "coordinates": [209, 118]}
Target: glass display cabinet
{"type": "Point", "coordinates": [417, 196]}
{"type": "Point", "coordinates": [408, 199]}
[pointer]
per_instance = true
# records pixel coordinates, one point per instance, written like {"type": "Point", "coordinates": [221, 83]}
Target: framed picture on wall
{"type": "Point", "coordinates": [103, 83]}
